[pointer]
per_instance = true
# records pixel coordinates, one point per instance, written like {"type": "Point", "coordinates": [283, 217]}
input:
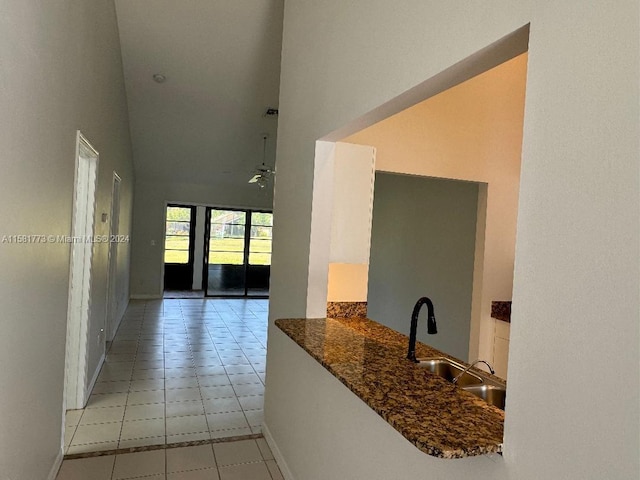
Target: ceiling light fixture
{"type": "Point", "coordinates": [159, 78]}
{"type": "Point", "coordinates": [263, 173]}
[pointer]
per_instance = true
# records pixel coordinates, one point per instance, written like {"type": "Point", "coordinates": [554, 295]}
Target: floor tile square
{"type": "Point", "coordinates": [253, 471]}
{"type": "Point", "coordinates": [96, 468]}
{"type": "Point", "coordinates": [102, 432]}
{"type": "Point", "coordinates": [148, 365]}
{"type": "Point", "coordinates": [92, 447]}
{"type": "Point", "coordinates": [147, 384]}
{"type": "Point", "coordinates": [179, 372]}
{"type": "Point", "coordinates": [107, 400]}
{"type": "Point", "coordinates": [205, 474]}
{"type": "Point", "coordinates": [237, 369]}
{"type": "Point", "coordinates": [211, 370]}
{"type": "Point", "coordinates": [234, 453]}
{"type": "Point", "coordinates": [183, 394]}
{"type": "Point", "coordinates": [181, 382]}
{"type": "Point", "coordinates": [72, 417]}
{"type": "Point", "coordinates": [150, 396]}
{"type": "Point", "coordinates": [143, 428]}
{"type": "Point", "coordinates": [217, 392]}
{"type": "Point", "coordinates": [189, 407]}
{"type": "Point", "coordinates": [255, 402]}
{"type": "Point", "coordinates": [144, 412]}
{"type": "Point", "coordinates": [189, 458]}
{"type": "Point", "coordinates": [222, 405]}
{"type": "Point", "coordinates": [189, 424]}
{"type": "Point", "coordinates": [102, 415]}
{"type": "Point", "coordinates": [254, 417]}
{"type": "Point", "coordinates": [152, 373]}
{"type": "Point", "coordinates": [226, 421]}
{"type": "Point", "coordinates": [244, 378]}
{"type": "Point", "coordinates": [213, 380]}
{"type": "Point", "coordinates": [131, 465]}
{"type": "Point", "coordinates": [249, 389]}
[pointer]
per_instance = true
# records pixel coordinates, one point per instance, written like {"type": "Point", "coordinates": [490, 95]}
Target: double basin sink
{"type": "Point", "coordinates": [480, 385]}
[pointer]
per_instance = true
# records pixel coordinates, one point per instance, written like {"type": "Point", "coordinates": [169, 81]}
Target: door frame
{"type": "Point", "coordinates": [111, 319]}
{"type": "Point", "coordinates": [80, 272]}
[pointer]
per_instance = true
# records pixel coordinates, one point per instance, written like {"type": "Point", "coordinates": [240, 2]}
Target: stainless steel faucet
{"type": "Point", "coordinates": [457, 377]}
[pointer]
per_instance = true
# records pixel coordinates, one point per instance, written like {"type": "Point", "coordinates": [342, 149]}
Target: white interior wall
{"type": "Point", "coordinates": [341, 235]}
{"type": "Point", "coordinates": [579, 206]}
{"type": "Point", "coordinates": [61, 72]}
{"type": "Point", "coordinates": [147, 267]}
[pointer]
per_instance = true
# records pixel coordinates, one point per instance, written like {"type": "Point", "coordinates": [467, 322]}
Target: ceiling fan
{"type": "Point", "coordinates": [263, 173]}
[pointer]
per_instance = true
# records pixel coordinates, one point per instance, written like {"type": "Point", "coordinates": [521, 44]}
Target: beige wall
{"type": "Point", "coordinates": [472, 131]}
{"type": "Point", "coordinates": [61, 71]}
{"type": "Point", "coordinates": [577, 260]}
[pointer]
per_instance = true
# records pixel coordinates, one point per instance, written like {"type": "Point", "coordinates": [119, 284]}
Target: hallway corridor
{"type": "Point", "coordinates": [178, 370]}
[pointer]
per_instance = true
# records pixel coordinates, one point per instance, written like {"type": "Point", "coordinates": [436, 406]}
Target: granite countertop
{"type": "Point", "coordinates": [501, 310]}
{"type": "Point", "coordinates": [370, 360]}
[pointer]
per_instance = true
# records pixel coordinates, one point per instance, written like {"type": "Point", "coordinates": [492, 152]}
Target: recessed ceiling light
{"type": "Point", "coordinates": [159, 78]}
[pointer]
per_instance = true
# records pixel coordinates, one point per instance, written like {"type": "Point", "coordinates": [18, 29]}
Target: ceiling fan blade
{"type": "Point", "coordinates": [255, 178]}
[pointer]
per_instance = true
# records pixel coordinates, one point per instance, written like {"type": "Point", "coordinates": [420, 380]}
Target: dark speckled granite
{"type": "Point", "coordinates": [346, 309]}
{"type": "Point", "coordinates": [369, 359]}
{"type": "Point", "coordinates": [501, 311]}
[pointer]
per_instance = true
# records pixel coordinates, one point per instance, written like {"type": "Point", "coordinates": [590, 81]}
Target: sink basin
{"type": "Point", "coordinates": [491, 394]}
{"type": "Point", "coordinates": [448, 369]}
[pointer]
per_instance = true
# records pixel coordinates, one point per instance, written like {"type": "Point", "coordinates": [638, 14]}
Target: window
{"type": "Point", "coordinates": [177, 235]}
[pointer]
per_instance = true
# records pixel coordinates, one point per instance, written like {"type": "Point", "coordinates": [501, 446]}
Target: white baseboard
{"type": "Point", "coordinates": [53, 473]}
{"type": "Point", "coordinates": [284, 468]}
{"type": "Point", "coordinates": [145, 297]}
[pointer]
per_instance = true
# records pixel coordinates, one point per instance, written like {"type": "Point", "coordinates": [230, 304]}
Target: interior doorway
{"type": "Point", "coordinates": [237, 253]}
{"type": "Point", "coordinates": [79, 305]}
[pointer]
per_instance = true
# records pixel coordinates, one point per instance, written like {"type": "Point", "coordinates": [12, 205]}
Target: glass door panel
{"type": "Point", "coordinates": [226, 252]}
{"type": "Point", "coordinates": [259, 268]}
{"type": "Point", "coordinates": [238, 252]}
{"type": "Point", "coordinates": [178, 248]}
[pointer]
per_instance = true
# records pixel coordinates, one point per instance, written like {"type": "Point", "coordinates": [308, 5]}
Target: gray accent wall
{"type": "Point", "coordinates": [422, 244]}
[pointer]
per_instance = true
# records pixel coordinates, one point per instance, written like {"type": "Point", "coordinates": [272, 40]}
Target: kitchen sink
{"type": "Point", "coordinates": [480, 385]}
{"type": "Point", "coordinates": [491, 394]}
{"type": "Point", "coordinates": [448, 369]}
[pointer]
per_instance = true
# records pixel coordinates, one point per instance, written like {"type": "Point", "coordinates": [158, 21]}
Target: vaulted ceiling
{"type": "Point", "coordinates": [221, 59]}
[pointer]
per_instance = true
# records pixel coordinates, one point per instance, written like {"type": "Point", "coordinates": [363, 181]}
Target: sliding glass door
{"type": "Point", "coordinates": [237, 252]}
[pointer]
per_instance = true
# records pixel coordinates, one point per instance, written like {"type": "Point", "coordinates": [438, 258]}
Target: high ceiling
{"type": "Point", "coordinates": [221, 60]}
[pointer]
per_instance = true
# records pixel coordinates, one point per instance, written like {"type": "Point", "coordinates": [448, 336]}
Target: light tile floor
{"type": "Point", "coordinates": [178, 370]}
{"type": "Point", "coordinates": [239, 460]}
